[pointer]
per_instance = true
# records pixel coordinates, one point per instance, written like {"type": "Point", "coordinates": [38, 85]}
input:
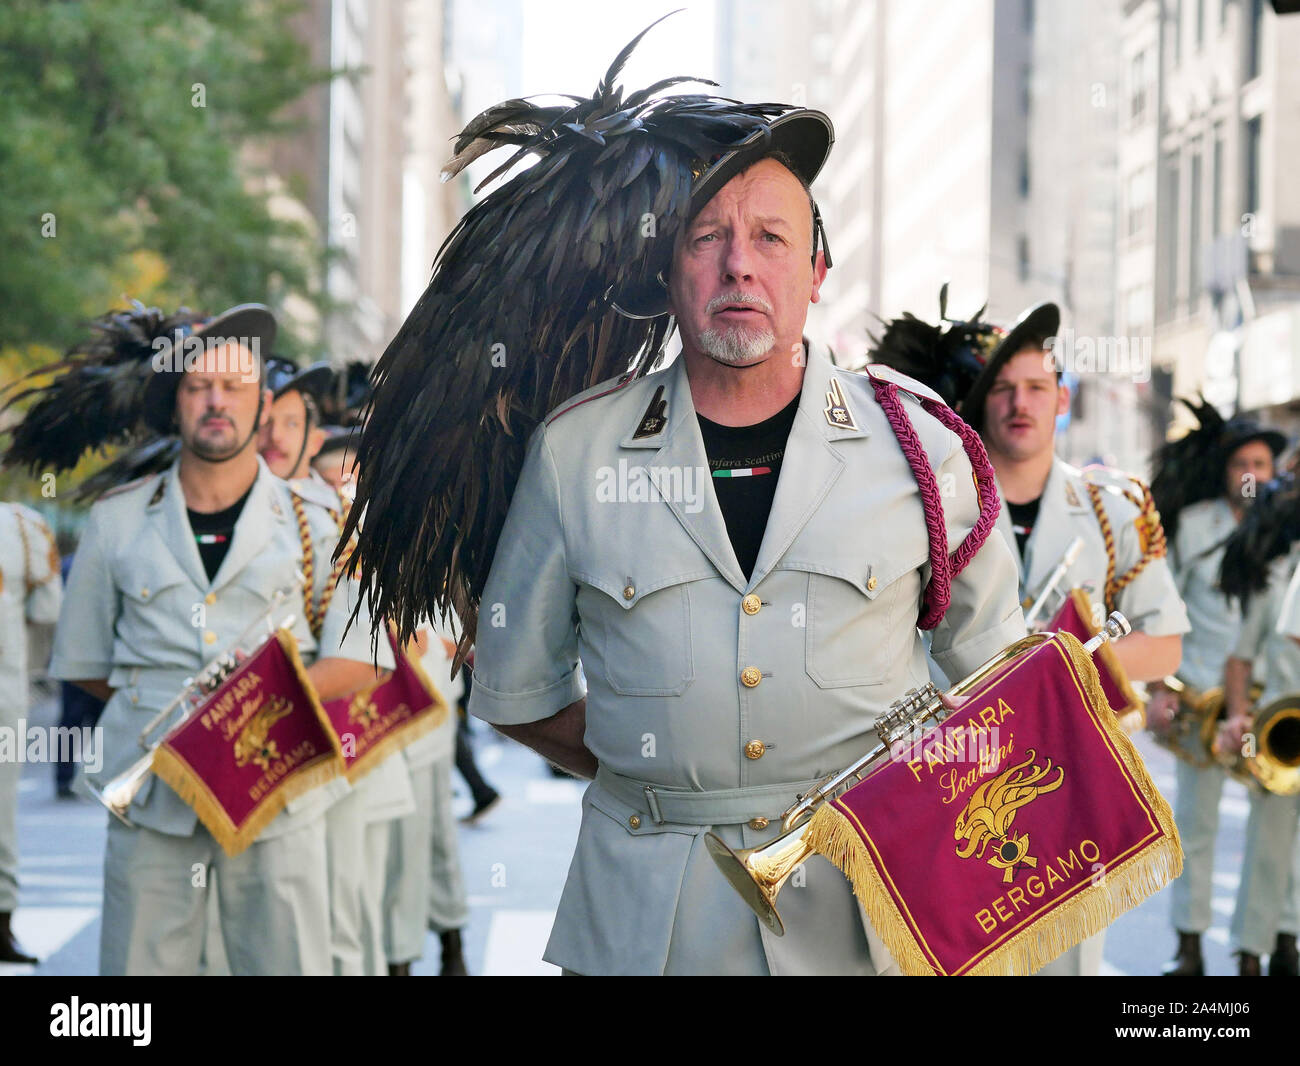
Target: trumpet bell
{"type": "Point", "coordinates": [1277, 737]}
{"type": "Point", "coordinates": [759, 873]}
{"type": "Point", "coordinates": [118, 793]}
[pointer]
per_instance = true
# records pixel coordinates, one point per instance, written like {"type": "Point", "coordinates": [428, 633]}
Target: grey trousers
{"type": "Point", "coordinates": [1196, 813]}
{"type": "Point", "coordinates": [425, 888]}
{"type": "Point", "coordinates": [273, 903]}
{"type": "Point", "coordinates": [10, 772]}
{"type": "Point", "coordinates": [1266, 894]}
{"type": "Point", "coordinates": [355, 889]}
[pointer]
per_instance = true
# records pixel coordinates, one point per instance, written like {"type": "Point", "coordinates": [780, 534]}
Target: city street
{"type": "Point", "coordinates": [515, 862]}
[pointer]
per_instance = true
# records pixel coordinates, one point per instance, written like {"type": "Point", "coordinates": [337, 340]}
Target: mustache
{"type": "Point", "coordinates": [737, 297]}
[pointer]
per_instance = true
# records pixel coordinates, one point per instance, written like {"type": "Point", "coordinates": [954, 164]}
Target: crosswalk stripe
{"type": "Point", "coordinates": [515, 942]}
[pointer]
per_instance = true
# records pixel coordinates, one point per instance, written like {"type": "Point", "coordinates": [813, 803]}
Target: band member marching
{"type": "Point", "coordinates": [1203, 483]}
{"type": "Point", "coordinates": [170, 570]}
{"type": "Point", "coordinates": [693, 535]}
{"type": "Point", "coordinates": [1006, 385]}
{"type": "Point", "coordinates": [1260, 561]}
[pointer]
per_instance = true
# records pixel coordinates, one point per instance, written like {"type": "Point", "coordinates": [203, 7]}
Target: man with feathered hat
{"type": "Point", "coordinates": [170, 570]}
{"type": "Point", "coordinates": [1006, 384]}
{"type": "Point", "coordinates": [1259, 561]}
{"type": "Point", "coordinates": [1203, 483]}
{"type": "Point", "coordinates": [737, 547]}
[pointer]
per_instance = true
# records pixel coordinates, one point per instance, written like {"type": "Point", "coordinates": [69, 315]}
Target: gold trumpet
{"type": "Point", "coordinates": [1276, 762]}
{"type": "Point", "coordinates": [118, 793]}
{"type": "Point", "coordinates": [758, 874]}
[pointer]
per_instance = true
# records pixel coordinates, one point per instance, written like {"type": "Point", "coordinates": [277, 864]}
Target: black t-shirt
{"type": "Point", "coordinates": [745, 462]}
{"type": "Point", "coordinates": [1023, 517]}
{"type": "Point", "coordinates": [214, 530]}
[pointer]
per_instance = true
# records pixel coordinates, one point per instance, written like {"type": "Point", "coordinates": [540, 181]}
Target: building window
{"type": "Point", "coordinates": [1137, 89]}
{"type": "Point", "coordinates": [1253, 146]}
{"type": "Point", "coordinates": [1200, 24]}
{"type": "Point", "coordinates": [1256, 44]}
{"type": "Point", "coordinates": [1024, 173]}
{"type": "Point", "coordinates": [1137, 203]}
{"type": "Point", "coordinates": [1022, 258]}
{"type": "Point", "coordinates": [1029, 16]}
{"type": "Point", "coordinates": [1194, 230]}
{"type": "Point", "coordinates": [1169, 224]}
{"type": "Point", "coordinates": [1216, 193]}
{"type": "Point", "coordinates": [1177, 30]}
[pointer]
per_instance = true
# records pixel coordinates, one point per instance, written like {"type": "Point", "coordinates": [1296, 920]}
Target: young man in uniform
{"type": "Point", "coordinates": [1203, 483]}
{"type": "Point", "coordinates": [170, 570]}
{"type": "Point", "coordinates": [1008, 388]}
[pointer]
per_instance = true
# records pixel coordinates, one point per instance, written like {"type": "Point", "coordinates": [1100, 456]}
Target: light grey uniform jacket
{"type": "Point", "coordinates": [140, 611]}
{"type": "Point", "coordinates": [30, 592]}
{"type": "Point", "coordinates": [1150, 601]}
{"type": "Point", "coordinates": [1214, 620]}
{"type": "Point", "coordinates": [700, 681]}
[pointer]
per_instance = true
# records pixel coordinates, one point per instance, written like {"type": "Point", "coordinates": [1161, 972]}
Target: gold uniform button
{"type": "Point", "coordinates": [209, 637]}
{"type": "Point", "coordinates": [751, 676]}
{"type": "Point", "coordinates": [751, 604]}
{"type": "Point", "coordinates": [210, 598]}
{"type": "Point", "coordinates": [871, 584]}
{"type": "Point", "coordinates": [754, 749]}
{"type": "Point", "coordinates": [144, 594]}
{"type": "Point", "coordinates": [635, 821]}
{"type": "Point", "coordinates": [758, 823]}
{"type": "Point", "coordinates": [628, 592]}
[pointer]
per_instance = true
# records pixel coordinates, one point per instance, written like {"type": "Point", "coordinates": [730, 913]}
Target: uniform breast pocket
{"type": "Point", "coordinates": [856, 626]}
{"type": "Point", "coordinates": [640, 644]}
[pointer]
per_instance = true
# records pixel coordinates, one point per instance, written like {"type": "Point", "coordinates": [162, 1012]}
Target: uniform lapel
{"type": "Point", "coordinates": [253, 529]}
{"type": "Point", "coordinates": [811, 464]}
{"type": "Point", "coordinates": [674, 433]}
{"type": "Point", "coordinates": [166, 511]}
{"type": "Point", "coordinates": [1063, 503]}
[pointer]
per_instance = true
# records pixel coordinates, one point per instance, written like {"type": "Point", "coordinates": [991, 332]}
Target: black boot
{"type": "Point", "coordinates": [10, 949]}
{"type": "Point", "coordinates": [1285, 961]}
{"type": "Point", "coordinates": [1247, 964]}
{"type": "Point", "coordinates": [453, 960]}
{"type": "Point", "coordinates": [1187, 962]}
{"type": "Point", "coordinates": [399, 969]}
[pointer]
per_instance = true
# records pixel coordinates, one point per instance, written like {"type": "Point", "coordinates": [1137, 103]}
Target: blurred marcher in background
{"type": "Point", "coordinates": [30, 594]}
{"type": "Point", "coordinates": [78, 709]}
{"type": "Point", "coordinates": [1202, 484]}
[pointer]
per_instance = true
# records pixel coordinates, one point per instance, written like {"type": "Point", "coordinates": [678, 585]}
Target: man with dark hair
{"type": "Point", "coordinates": [1006, 384]}
{"type": "Point", "coordinates": [170, 570]}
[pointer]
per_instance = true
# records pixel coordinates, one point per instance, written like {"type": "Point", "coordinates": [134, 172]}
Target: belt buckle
{"type": "Point", "coordinates": [652, 802]}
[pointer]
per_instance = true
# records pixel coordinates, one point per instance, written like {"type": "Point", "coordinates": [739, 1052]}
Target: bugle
{"type": "Point", "coordinates": [759, 873]}
{"type": "Point", "coordinates": [119, 791]}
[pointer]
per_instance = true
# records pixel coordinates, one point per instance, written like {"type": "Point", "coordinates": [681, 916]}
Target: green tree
{"type": "Point", "coordinates": [124, 129]}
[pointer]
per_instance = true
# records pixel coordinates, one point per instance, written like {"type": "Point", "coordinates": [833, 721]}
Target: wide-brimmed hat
{"type": "Point", "coordinates": [1034, 328]}
{"type": "Point", "coordinates": [284, 375]}
{"type": "Point", "coordinates": [802, 137]}
{"type": "Point", "coordinates": [251, 325]}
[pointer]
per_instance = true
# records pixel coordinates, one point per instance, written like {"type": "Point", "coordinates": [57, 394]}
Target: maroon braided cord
{"type": "Point", "coordinates": [943, 568]}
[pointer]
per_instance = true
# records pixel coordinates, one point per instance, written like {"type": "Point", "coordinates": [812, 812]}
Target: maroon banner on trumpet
{"type": "Point", "coordinates": [373, 723]}
{"type": "Point", "coordinates": [1023, 824]}
{"type": "Point", "coordinates": [1076, 617]}
{"type": "Point", "coordinates": [257, 742]}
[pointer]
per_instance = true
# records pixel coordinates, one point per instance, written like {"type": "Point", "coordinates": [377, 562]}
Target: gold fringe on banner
{"type": "Point", "coordinates": [406, 733]}
{"type": "Point", "coordinates": [170, 767]}
{"type": "Point", "coordinates": [834, 836]}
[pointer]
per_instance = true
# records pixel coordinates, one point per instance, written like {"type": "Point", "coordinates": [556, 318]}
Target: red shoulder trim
{"type": "Point", "coordinates": [578, 403]}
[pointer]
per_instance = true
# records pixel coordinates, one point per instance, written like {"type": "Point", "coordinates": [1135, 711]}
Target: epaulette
{"type": "Point", "coordinates": [594, 393]}
{"type": "Point", "coordinates": [910, 385]}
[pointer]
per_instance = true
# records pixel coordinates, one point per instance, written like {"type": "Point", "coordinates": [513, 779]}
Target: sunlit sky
{"type": "Point", "coordinates": [568, 44]}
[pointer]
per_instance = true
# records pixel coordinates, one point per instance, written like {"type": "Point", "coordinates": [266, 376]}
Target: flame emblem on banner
{"type": "Point", "coordinates": [991, 810]}
{"type": "Point", "coordinates": [252, 742]}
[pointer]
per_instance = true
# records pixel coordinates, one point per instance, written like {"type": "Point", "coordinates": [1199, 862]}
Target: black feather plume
{"type": "Point", "coordinates": [1188, 470]}
{"type": "Point", "coordinates": [152, 456]}
{"type": "Point", "coordinates": [1267, 530]}
{"type": "Point", "coordinates": [94, 396]}
{"type": "Point", "coordinates": [516, 319]}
